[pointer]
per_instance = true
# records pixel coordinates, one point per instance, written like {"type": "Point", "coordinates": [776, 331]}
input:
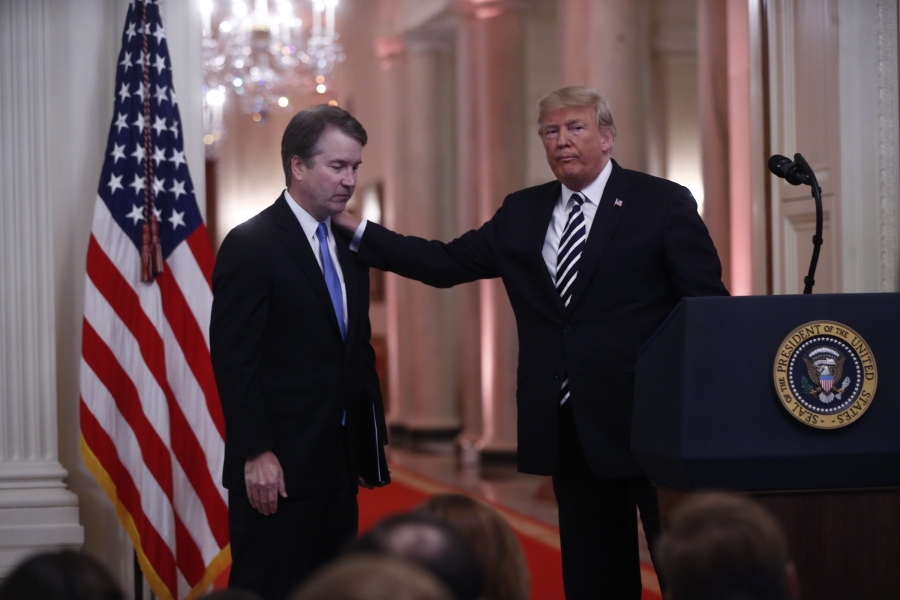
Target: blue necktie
{"type": "Point", "coordinates": [331, 278]}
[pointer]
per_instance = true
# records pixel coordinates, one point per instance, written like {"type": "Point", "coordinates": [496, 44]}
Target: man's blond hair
{"type": "Point", "coordinates": [577, 95]}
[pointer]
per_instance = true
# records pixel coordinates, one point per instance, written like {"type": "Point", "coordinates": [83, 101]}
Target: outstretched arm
{"type": "Point", "coordinates": [467, 258]}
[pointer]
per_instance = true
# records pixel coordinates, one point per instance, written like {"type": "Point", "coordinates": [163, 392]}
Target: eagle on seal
{"type": "Point", "coordinates": [825, 367]}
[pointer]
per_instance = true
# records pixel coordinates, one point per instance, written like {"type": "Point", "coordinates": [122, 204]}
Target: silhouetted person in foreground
{"type": "Point", "coordinates": [62, 575]}
{"type": "Point", "coordinates": [233, 594]}
{"type": "Point", "coordinates": [429, 543]}
{"type": "Point", "coordinates": [725, 547]}
{"type": "Point", "coordinates": [495, 544]}
{"type": "Point", "coordinates": [372, 577]}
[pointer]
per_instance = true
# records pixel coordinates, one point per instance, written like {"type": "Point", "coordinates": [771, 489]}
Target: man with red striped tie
{"type": "Point", "coordinates": [295, 370]}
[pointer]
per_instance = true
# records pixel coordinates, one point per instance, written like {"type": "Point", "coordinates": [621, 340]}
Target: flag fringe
{"type": "Point", "coordinates": [215, 568]}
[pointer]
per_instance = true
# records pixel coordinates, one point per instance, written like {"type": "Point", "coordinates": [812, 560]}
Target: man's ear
{"type": "Point", "coordinates": [298, 169]}
{"type": "Point", "coordinates": [607, 138]}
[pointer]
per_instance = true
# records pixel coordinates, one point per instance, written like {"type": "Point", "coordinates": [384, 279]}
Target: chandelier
{"type": "Point", "coordinates": [261, 57]}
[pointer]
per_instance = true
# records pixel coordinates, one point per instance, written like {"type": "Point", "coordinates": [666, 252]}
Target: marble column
{"type": "Point", "coordinates": [604, 45]}
{"type": "Point", "coordinates": [391, 51]}
{"type": "Point", "coordinates": [492, 109]}
{"type": "Point", "coordinates": [37, 512]}
{"type": "Point", "coordinates": [427, 206]}
{"type": "Point", "coordinates": [712, 50]}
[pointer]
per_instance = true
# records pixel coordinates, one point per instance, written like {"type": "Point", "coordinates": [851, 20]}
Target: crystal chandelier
{"type": "Point", "coordinates": [262, 57]}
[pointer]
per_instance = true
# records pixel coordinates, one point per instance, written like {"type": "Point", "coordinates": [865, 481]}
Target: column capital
{"type": "Point", "coordinates": [389, 49]}
{"type": "Point", "coordinates": [489, 9]}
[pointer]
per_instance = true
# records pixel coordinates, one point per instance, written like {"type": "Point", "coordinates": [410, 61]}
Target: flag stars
{"type": "Point", "coordinates": [157, 212]}
{"type": "Point", "coordinates": [159, 155]}
{"type": "Point", "coordinates": [126, 62]}
{"type": "Point", "coordinates": [159, 185]}
{"type": "Point", "coordinates": [117, 152]}
{"type": "Point", "coordinates": [139, 122]}
{"type": "Point", "coordinates": [137, 184]}
{"type": "Point", "coordinates": [174, 127]}
{"type": "Point", "coordinates": [178, 189]}
{"type": "Point", "coordinates": [115, 183]}
{"type": "Point", "coordinates": [140, 92]}
{"type": "Point", "coordinates": [138, 153]}
{"type": "Point", "coordinates": [123, 92]}
{"type": "Point", "coordinates": [173, 96]}
{"type": "Point", "coordinates": [136, 214]}
{"type": "Point", "coordinates": [162, 94]}
{"type": "Point", "coordinates": [121, 122]}
{"type": "Point", "coordinates": [159, 63]}
{"type": "Point", "coordinates": [159, 125]}
{"type": "Point", "coordinates": [177, 219]}
{"type": "Point", "coordinates": [177, 158]}
{"type": "Point", "coordinates": [160, 34]}
{"type": "Point", "coordinates": [131, 32]}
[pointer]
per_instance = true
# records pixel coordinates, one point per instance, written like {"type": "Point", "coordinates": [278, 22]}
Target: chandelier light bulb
{"type": "Point", "coordinates": [321, 88]}
{"type": "Point", "coordinates": [283, 102]}
{"type": "Point", "coordinates": [215, 97]}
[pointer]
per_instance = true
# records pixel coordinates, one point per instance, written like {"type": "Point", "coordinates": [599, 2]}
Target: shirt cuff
{"type": "Point", "coordinates": [357, 237]}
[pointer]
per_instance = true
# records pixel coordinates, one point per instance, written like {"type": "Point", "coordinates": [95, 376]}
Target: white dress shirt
{"type": "Point", "coordinates": [309, 225]}
{"type": "Point", "coordinates": [592, 194]}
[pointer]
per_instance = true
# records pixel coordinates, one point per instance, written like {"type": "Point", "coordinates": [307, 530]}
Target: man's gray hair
{"type": "Point", "coordinates": [577, 95]}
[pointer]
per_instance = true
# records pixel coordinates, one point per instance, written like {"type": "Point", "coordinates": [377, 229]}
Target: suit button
{"type": "Point", "coordinates": [567, 329]}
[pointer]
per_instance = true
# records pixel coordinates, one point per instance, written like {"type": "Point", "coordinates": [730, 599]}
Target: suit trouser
{"type": "Point", "coordinates": [598, 523]}
{"type": "Point", "coordinates": [273, 554]}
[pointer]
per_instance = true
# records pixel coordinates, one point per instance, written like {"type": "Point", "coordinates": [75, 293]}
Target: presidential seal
{"type": "Point", "coordinates": [825, 374]}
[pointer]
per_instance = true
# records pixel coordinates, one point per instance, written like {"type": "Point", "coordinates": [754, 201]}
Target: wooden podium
{"type": "Point", "coordinates": [707, 417]}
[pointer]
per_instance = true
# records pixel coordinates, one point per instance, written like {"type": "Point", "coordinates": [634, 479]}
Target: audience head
{"type": "Point", "coordinates": [495, 544]}
{"type": "Point", "coordinates": [725, 547]}
{"type": "Point", "coordinates": [429, 543]}
{"type": "Point", "coordinates": [232, 594]}
{"type": "Point", "coordinates": [62, 575]}
{"type": "Point", "coordinates": [372, 577]}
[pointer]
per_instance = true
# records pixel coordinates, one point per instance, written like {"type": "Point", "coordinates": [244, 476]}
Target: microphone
{"type": "Point", "coordinates": [788, 169]}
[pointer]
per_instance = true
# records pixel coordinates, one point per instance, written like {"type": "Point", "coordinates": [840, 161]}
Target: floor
{"type": "Point", "coordinates": [531, 495]}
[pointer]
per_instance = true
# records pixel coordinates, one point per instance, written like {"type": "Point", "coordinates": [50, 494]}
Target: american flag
{"type": "Point", "coordinates": [151, 423]}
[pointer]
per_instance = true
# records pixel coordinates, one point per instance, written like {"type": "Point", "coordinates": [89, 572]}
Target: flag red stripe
{"type": "Point", "coordinates": [190, 561]}
{"type": "Point", "coordinates": [186, 447]}
{"type": "Point", "coordinates": [192, 343]}
{"type": "Point", "coordinates": [155, 548]}
{"type": "Point", "coordinates": [155, 455]}
{"type": "Point", "coordinates": [199, 244]}
{"type": "Point", "coordinates": [103, 362]}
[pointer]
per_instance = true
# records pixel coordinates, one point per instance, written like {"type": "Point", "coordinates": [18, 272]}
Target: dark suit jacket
{"type": "Point", "coordinates": [283, 372]}
{"type": "Point", "coordinates": [641, 258]}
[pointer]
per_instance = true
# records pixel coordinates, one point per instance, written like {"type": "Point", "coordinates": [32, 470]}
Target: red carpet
{"type": "Point", "coordinates": [539, 540]}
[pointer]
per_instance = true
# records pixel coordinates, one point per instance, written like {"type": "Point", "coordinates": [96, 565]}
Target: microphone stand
{"type": "Point", "coordinates": [809, 281]}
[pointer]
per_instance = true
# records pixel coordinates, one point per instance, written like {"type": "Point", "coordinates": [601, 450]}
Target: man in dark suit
{"type": "Point", "coordinates": [289, 338]}
{"type": "Point", "coordinates": [592, 264]}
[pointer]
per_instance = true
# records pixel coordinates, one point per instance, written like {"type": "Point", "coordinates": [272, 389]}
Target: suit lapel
{"type": "Point", "coordinates": [351, 283]}
{"type": "Point", "coordinates": [536, 237]}
{"type": "Point", "coordinates": [295, 239]}
{"type": "Point", "coordinates": [605, 221]}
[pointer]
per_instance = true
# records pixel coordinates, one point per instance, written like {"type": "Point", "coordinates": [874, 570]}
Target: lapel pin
{"type": "Point", "coordinates": [618, 202]}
